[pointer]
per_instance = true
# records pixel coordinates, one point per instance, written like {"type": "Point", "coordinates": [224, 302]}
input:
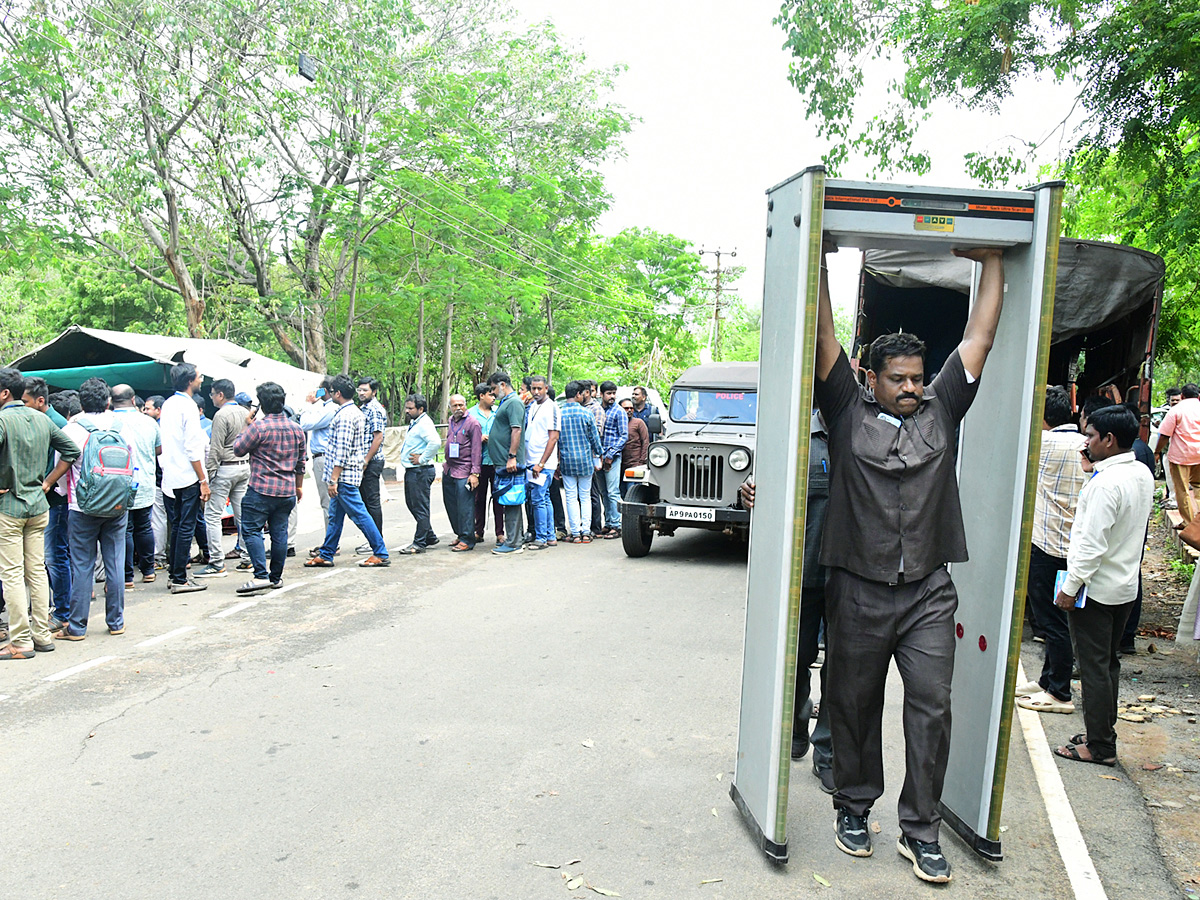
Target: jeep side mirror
{"type": "Point", "coordinates": [654, 423]}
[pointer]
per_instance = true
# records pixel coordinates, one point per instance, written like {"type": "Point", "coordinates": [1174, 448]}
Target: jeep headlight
{"type": "Point", "coordinates": [659, 455]}
{"type": "Point", "coordinates": [739, 460]}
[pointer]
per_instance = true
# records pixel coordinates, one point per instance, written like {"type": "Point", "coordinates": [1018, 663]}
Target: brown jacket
{"type": "Point", "coordinates": [638, 446]}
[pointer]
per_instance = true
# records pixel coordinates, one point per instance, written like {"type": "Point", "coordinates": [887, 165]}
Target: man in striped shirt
{"type": "Point", "coordinates": [1060, 479]}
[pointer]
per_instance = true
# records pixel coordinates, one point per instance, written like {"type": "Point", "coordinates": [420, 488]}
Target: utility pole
{"type": "Point", "coordinates": [715, 333]}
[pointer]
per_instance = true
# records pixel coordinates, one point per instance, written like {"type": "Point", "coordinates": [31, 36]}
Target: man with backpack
{"type": "Point", "coordinates": [100, 491]}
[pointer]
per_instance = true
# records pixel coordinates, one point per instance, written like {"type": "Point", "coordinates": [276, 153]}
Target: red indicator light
{"type": "Point", "coordinates": [982, 642]}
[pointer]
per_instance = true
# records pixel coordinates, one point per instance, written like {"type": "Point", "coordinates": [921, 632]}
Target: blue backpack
{"type": "Point", "coordinates": [107, 473]}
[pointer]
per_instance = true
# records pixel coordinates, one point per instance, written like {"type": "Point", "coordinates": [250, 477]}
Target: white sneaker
{"type": "Point", "coordinates": [1046, 702]}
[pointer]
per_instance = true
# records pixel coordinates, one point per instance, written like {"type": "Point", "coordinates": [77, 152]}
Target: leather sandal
{"type": "Point", "coordinates": [10, 653]}
{"type": "Point", "coordinates": [1071, 752]}
{"type": "Point", "coordinates": [374, 562]}
{"type": "Point", "coordinates": [318, 562]}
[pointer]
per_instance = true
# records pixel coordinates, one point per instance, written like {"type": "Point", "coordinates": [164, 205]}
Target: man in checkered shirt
{"type": "Point", "coordinates": [276, 448]}
{"type": "Point", "coordinates": [1060, 479]}
{"type": "Point", "coordinates": [343, 473]}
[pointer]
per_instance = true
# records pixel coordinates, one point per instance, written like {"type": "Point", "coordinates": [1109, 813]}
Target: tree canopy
{"type": "Point", "coordinates": [1132, 148]}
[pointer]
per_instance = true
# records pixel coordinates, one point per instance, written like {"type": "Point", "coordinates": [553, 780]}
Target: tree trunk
{"type": "Point", "coordinates": [550, 330]}
{"type": "Point", "coordinates": [421, 346]}
{"type": "Point", "coordinates": [348, 333]}
{"type": "Point", "coordinates": [493, 358]}
{"type": "Point", "coordinates": [444, 404]}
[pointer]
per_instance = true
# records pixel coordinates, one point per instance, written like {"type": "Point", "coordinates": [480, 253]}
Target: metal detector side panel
{"type": "Point", "coordinates": [896, 216]}
{"type": "Point", "coordinates": [787, 351]}
{"type": "Point", "coordinates": [998, 461]}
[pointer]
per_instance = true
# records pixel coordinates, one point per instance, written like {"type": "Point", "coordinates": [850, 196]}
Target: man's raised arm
{"type": "Point", "coordinates": [980, 332]}
{"type": "Point", "coordinates": [828, 348]}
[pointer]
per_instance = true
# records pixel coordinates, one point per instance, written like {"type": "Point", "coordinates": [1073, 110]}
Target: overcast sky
{"type": "Point", "coordinates": [720, 122]}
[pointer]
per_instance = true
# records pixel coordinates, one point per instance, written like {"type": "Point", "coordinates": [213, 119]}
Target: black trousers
{"type": "Point", "coordinates": [460, 507]}
{"type": "Point", "coordinates": [599, 492]}
{"type": "Point", "coordinates": [812, 612]}
{"type": "Point", "coordinates": [1097, 630]}
{"type": "Point", "coordinates": [182, 511]}
{"type": "Point", "coordinates": [486, 474]}
{"type": "Point", "coordinates": [868, 624]}
{"type": "Point", "coordinates": [369, 490]}
{"type": "Point", "coordinates": [139, 537]}
{"type": "Point", "coordinates": [1059, 658]}
{"type": "Point", "coordinates": [417, 484]}
{"type": "Point", "coordinates": [556, 502]}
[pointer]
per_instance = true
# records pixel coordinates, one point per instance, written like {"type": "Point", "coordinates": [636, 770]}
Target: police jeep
{"type": "Point", "coordinates": [695, 468]}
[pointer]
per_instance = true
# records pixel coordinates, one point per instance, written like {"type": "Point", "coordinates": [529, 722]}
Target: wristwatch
{"type": "Point", "coordinates": [512, 456]}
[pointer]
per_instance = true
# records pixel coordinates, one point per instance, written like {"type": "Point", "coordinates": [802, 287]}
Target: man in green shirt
{"type": "Point", "coordinates": [26, 437]}
{"type": "Point", "coordinates": [506, 451]}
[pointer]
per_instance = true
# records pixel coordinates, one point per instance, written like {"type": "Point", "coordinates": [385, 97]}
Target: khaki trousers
{"type": "Point", "coordinates": [23, 573]}
{"type": "Point", "coordinates": [1183, 479]}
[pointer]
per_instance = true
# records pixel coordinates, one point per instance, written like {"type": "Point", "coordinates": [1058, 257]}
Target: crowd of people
{"type": "Point", "coordinates": [98, 484]}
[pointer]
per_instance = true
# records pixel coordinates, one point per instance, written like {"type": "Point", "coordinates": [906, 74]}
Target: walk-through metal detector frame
{"type": "Point", "coordinates": [1000, 439]}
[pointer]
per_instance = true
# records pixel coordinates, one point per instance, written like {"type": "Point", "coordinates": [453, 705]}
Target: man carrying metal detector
{"type": "Point", "coordinates": [894, 522]}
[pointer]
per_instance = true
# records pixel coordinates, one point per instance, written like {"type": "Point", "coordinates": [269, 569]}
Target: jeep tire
{"type": "Point", "coordinates": [636, 533]}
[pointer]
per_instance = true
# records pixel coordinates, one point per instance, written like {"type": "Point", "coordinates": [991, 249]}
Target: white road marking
{"type": "Point", "coordinates": [288, 587]}
{"type": "Point", "coordinates": [234, 609]}
{"type": "Point", "coordinates": [3, 697]}
{"type": "Point", "coordinates": [82, 667]}
{"type": "Point", "coordinates": [150, 642]}
{"type": "Point", "coordinates": [1085, 881]}
{"type": "Point", "coordinates": [324, 575]}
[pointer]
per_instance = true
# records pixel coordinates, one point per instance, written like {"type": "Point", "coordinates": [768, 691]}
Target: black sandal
{"type": "Point", "coordinates": [1071, 751]}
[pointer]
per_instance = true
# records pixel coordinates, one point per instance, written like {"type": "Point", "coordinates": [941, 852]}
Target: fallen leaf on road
{"type": "Point", "coordinates": [823, 882]}
{"type": "Point", "coordinates": [603, 892]}
{"type": "Point", "coordinates": [574, 883]}
{"type": "Point", "coordinates": [714, 810]}
{"type": "Point", "coordinates": [712, 880]}
{"type": "Point", "coordinates": [875, 827]}
{"type": "Point", "coordinates": [1152, 767]}
{"type": "Point", "coordinates": [588, 744]}
{"type": "Point", "coordinates": [719, 774]}
{"type": "Point", "coordinates": [1147, 698]}
{"type": "Point", "coordinates": [1111, 777]}
{"type": "Point", "coordinates": [91, 734]}
{"type": "Point", "coordinates": [547, 865]}
{"type": "Point", "coordinates": [1132, 717]}
{"type": "Point", "coordinates": [573, 862]}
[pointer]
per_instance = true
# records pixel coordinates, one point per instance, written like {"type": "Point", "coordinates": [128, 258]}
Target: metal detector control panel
{"type": "Point", "coordinates": [866, 214]}
{"type": "Point", "coordinates": [997, 471]}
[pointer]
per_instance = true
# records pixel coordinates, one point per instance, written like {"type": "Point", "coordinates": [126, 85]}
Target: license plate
{"type": "Point", "coordinates": [692, 513]}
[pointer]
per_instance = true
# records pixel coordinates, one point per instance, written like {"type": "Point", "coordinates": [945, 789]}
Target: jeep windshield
{"type": "Point", "coordinates": [724, 407]}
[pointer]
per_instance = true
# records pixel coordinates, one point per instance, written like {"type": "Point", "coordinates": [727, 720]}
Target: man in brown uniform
{"type": "Point", "coordinates": [894, 522]}
{"type": "Point", "coordinates": [637, 448]}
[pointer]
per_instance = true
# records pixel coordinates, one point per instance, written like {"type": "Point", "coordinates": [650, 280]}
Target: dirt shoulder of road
{"type": "Point", "coordinates": [1159, 734]}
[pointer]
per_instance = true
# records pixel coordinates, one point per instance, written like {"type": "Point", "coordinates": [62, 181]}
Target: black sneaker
{"type": "Point", "coordinates": [928, 862]}
{"type": "Point", "coordinates": [825, 776]}
{"type": "Point", "coordinates": [291, 552]}
{"type": "Point", "coordinates": [800, 744]}
{"type": "Point", "coordinates": [850, 834]}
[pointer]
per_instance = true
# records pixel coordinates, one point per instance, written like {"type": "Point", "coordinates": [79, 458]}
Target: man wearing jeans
{"type": "Point", "coordinates": [376, 418]}
{"type": "Point", "coordinates": [26, 437]}
{"type": "Point", "coordinates": [185, 480]}
{"type": "Point", "coordinates": [275, 448]}
{"type": "Point", "coordinates": [482, 413]}
{"type": "Point", "coordinates": [343, 473]}
{"type": "Point", "coordinates": [506, 451]}
{"type": "Point", "coordinates": [460, 476]}
{"type": "Point", "coordinates": [421, 445]}
{"type": "Point", "coordinates": [541, 444]}
{"type": "Point", "coordinates": [140, 432]}
{"type": "Point", "coordinates": [84, 531]}
{"type": "Point", "coordinates": [228, 472]}
{"type": "Point", "coordinates": [616, 433]}
{"type": "Point", "coordinates": [578, 447]}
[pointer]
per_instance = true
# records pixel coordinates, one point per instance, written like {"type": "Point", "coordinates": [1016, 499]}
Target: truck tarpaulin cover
{"type": "Point", "coordinates": [1098, 283]}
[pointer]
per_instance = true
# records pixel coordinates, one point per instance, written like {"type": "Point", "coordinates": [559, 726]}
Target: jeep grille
{"type": "Point", "coordinates": [699, 476]}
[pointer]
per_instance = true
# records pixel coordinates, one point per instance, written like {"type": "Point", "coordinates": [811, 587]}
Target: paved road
{"type": "Point", "coordinates": [435, 729]}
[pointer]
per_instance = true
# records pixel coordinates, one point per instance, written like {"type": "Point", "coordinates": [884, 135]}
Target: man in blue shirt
{"type": "Point", "coordinates": [616, 433]}
{"type": "Point", "coordinates": [578, 447]}
{"type": "Point", "coordinates": [315, 421]}
{"type": "Point", "coordinates": [421, 445]}
{"type": "Point", "coordinates": [483, 413]}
